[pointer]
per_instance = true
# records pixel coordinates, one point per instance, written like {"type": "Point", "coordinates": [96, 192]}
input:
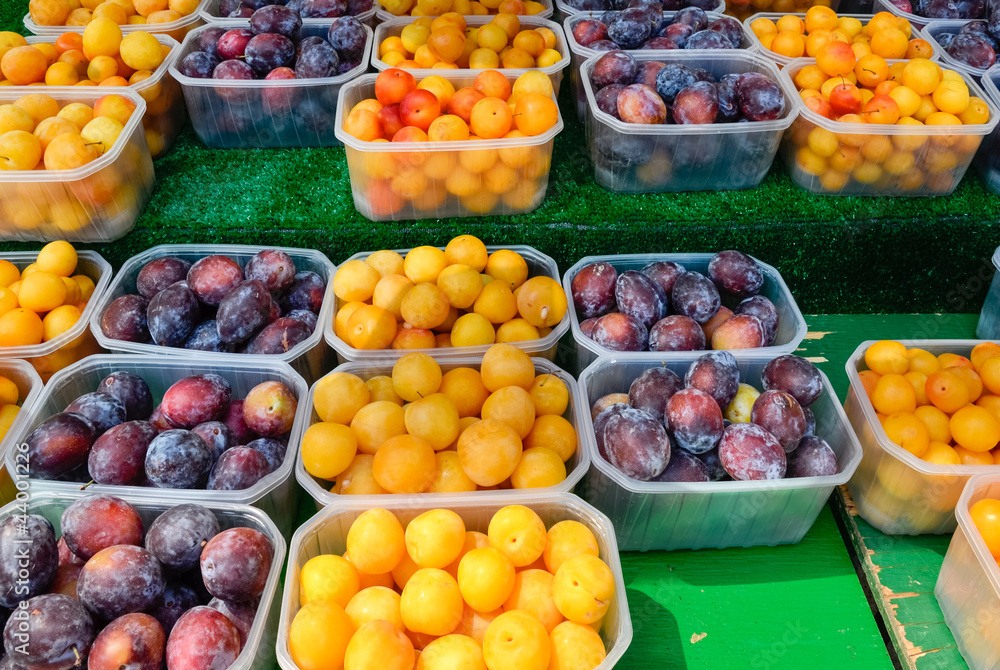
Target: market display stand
{"type": "Point", "coordinates": [900, 570]}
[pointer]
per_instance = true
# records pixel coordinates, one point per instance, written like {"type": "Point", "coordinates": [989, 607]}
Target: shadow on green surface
{"type": "Point", "coordinates": [656, 638]}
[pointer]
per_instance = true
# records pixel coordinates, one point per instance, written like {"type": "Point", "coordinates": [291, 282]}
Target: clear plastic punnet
{"type": "Point", "coordinates": [394, 27]}
{"type": "Point", "coordinates": [968, 586]}
{"type": "Point", "coordinates": [209, 12]}
{"type": "Point", "coordinates": [447, 190]}
{"type": "Point", "coordinates": [77, 342]}
{"type": "Point", "coordinates": [576, 466]}
{"type": "Point", "coordinates": [667, 516]}
{"type": "Point", "coordinates": [581, 53]}
{"type": "Point", "coordinates": [939, 28]}
{"type": "Point", "coordinates": [641, 158]}
{"type": "Point", "coordinates": [988, 327]}
{"type": "Point", "coordinates": [29, 387]}
{"type": "Point", "coordinates": [564, 10]}
{"type": "Point", "coordinates": [893, 490]}
{"type": "Point", "coordinates": [383, 15]}
{"type": "Point", "coordinates": [987, 160]}
{"type": "Point", "coordinates": [538, 265]}
{"type": "Point", "coordinates": [311, 358]}
{"type": "Point", "coordinates": [326, 533]}
{"type": "Point", "coordinates": [791, 324]}
{"type": "Point", "coordinates": [176, 29]}
{"type": "Point", "coordinates": [782, 61]}
{"type": "Point", "coordinates": [275, 494]}
{"type": "Point", "coordinates": [98, 202]}
{"type": "Point", "coordinates": [915, 20]}
{"type": "Point", "coordinates": [260, 114]}
{"type": "Point", "coordinates": [165, 112]}
{"type": "Point", "coordinates": [258, 649]}
{"type": "Point", "coordinates": [907, 160]}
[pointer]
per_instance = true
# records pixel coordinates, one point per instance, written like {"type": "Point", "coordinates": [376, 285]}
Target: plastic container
{"type": "Point", "coordinates": [384, 15]}
{"type": "Point", "coordinates": [988, 327]}
{"type": "Point", "coordinates": [582, 53]}
{"type": "Point", "coordinates": [326, 533]}
{"type": "Point", "coordinates": [545, 347]}
{"type": "Point", "coordinates": [564, 10]}
{"type": "Point", "coordinates": [741, 9]}
{"type": "Point", "coordinates": [210, 14]}
{"type": "Point", "coordinates": [258, 649]}
{"type": "Point", "coordinates": [940, 154]}
{"type": "Point", "coordinates": [98, 202]}
{"type": "Point", "coordinates": [310, 358]}
{"type": "Point", "coordinates": [936, 28]}
{"type": "Point", "coordinates": [275, 494]}
{"type": "Point", "coordinates": [968, 586]}
{"type": "Point", "coordinates": [987, 160]}
{"type": "Point", "coordinates": [576, 466]}
{"type": "Point", "coordinates": [639, 158]}
{"type": "Point", "coordinates": [915, 20]}
{"type": "Point", "coordinates": [165, 112]}
{"type": "Point", "coordinates": [371, 164]}
{"type": "Point", "coordinates": [29, 387]}
{"type": "Point", "coordinates": [77, 342]}
{"type": "Point", "coordinates": [893, 490]}
{"type": "Point", "coordinates": [281, 113]}
{"type": "Point", "coordinates": [175, 29]}
{"type": "Point", "coordinates": [667, 516]}
{"type": "Point", "coordinates": [791, 324]}
{"type": "Point", "coordinates": [394, 27]}
{"type": "Point", "coordinates": [782, 61]}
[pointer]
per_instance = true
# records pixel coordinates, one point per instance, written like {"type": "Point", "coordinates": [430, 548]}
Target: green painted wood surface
{"type": "Point", "coordinates": [901, 570]}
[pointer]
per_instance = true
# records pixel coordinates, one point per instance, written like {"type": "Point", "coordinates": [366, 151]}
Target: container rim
{"type": "Point", "coordinates": [388, 355]}
{"type": "Point", "coordinates": [328, 498]}
{"type": "Point", "coordinates": [531, 21]}
{"type": "Point", "coordinates": [972, 490]}
{"type": "Point", "coordinates": [136, 262]}
{"type": "Point", "coordinates": [101, 283]}
{"type": "Point", "coordinates": [92, 93]}
{"type": "Point", "coordinates": [207, 6]}
{"type": "Point", "coordinates": [882, 129]}
{"type": "Point", "coordinates": [152, 80]}
{"type": "Point", "coordinates": [253, 84]}
{"type": "Point", "coordinates": [586, 52]}
{"type": "Point", "coordinates": [569, 11]}
{"type": "Point", "coordinates": [996, 258]}
{"type": "Point", "coordinates": [383, 15]}
{"type": "Point", "coordinates": [784, 484]}
{"type": "Point", "coordinates": [892, 9]}
{"type": "Point", "coordinates": [784, 60]}
{"type": "Point", "coordinates": [940, 24]}
{"type": "Point", "coordinates": [989, 83]}
{"type": "Point", "coordinates": [274, 575]}
{"type": "Point", "coordinates": [396, 147]}
{"type": "Point", "coordinates": [160, 28]}
{"type": "Point", "coordinates": [801, 328]}
{"type": "Point", "coordinates": [701, 57]}
{"type": "Point", "coordinates": [226, 368]}
{"type": "Point", "coordinates": [25, 368]}
{"type": "Point", "coordinates": [565, 500]}
{"type": "Point", "coordinates": [854, 365]}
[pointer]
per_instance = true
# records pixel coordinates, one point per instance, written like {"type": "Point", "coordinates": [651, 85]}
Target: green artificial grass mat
{"type": "Point", "coordinates": [837, 254]}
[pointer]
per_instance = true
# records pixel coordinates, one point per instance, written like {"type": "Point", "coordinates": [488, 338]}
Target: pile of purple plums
{"type": "Point", "coordinates": [700, 429]}
{"type": "Point", "coordinates": [272, 49]}
{"type": "Point", "coordinates": [199, 436]}
{"type": "Point", "coordinates": [646, 28]}
{"type": "Point", "coordinates": [665, 307]}
{"type": "Point", "coordinates": [306, 9]}
{"type": "Point", "coordinates": [112, 593]}
{"type": "Point", "coordinates": [949, 9]}
{"type": "Point", "coordinates": [657, 5]}
{"type": "Point", "coordinates": [974, 44]}
{"type": "Point", "coordinates": [652, 92]}
{"type": "Point", "coordinates": [215, 305]}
